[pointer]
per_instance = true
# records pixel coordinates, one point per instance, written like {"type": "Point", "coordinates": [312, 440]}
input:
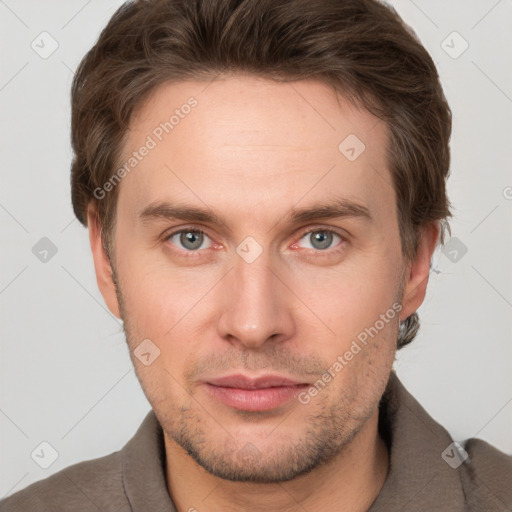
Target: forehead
{"type": "Point", "coordinates": [245, 143]}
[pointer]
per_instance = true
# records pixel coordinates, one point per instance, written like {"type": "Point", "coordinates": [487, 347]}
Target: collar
{"type": "Point", "coordinates": [418, 478]}
{"type": "Point", "coordinates": [144, 468]}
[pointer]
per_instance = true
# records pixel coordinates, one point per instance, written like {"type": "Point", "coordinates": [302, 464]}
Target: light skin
{"type": "Point", "coordinates": [253, 152]}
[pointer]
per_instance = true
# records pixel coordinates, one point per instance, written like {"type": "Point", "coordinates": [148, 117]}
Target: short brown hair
{"type": "Point", "coordinates": [360, 47]}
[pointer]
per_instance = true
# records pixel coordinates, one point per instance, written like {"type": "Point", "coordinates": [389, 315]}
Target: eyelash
{"type": "Point", "coordinates": [192, 254]}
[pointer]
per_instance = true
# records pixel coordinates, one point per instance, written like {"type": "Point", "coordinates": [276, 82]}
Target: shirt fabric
{"type": "Point", "coordinates": [419, 478]}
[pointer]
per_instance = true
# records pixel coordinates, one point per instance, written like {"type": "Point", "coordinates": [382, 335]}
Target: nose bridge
{"type": "Point", "coordinates": [253, 307]}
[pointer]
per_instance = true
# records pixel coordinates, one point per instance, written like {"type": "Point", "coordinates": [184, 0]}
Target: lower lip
{"type": "Point", "coordinates": [263, 399]}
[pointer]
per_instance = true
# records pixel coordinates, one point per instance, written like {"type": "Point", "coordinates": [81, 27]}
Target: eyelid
{"type": "Point", "coordinates": [323, 228]}
{"type": "Point", "coordinates": [173, 231]}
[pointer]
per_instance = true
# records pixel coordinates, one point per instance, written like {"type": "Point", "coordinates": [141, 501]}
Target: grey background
{"type": "Point", "coordinates": [66, 376]}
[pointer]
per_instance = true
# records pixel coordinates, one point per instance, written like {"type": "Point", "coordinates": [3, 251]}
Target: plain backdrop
{"type": "Point", "coordinates": [66, 376]}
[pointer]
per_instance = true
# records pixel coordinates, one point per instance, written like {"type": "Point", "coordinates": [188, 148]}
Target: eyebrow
{"type": "Point", "coordinates": [338, 208]}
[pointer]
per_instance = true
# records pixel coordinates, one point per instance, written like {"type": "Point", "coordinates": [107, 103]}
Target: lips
{"type": "Point", "coordinates": [243, 382]}
{"type": "Point", "coordinates": [262, 393]}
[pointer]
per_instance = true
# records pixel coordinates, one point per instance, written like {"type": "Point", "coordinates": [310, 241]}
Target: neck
{"type": "Point", "coordinates": [350, 481]}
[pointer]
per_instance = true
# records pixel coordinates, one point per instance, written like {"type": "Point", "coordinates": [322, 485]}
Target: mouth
{"type": "Point", "coordinates": [263, 393]}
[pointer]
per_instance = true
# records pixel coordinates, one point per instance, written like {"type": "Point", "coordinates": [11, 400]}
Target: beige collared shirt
{"type": "Point", "coordinates": [426, 473]}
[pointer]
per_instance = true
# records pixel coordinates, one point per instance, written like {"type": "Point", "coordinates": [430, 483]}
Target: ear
{"type": "Point", "coordinates": [418, 270]}
{"type": "Point", "coordinates": [101, 262]}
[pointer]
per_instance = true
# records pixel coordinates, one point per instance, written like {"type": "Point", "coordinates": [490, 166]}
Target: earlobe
{"type": "Point", "coordinates": [102, 264]}
{"type": "Point", "coordinates": [418, 271]}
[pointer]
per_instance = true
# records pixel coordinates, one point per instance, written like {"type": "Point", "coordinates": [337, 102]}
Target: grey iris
{"type": "Point", "coordinates": [194, 238]}
{"type": "Point", "coordinates": [321, 239]}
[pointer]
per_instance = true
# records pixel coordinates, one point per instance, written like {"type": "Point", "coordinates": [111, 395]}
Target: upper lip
{"type": "Point", "coordinates": [244, 382]}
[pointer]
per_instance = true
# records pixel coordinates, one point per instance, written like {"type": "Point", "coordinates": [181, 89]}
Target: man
{"type": "Point", "coordinates": [264, 184]}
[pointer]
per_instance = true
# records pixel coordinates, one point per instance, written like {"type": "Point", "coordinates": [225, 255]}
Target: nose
{"type": "Point", "coordinates": [256, 306]}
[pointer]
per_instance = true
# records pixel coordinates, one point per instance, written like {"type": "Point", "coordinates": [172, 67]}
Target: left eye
{"type": "Point", "coordinates": [320, 239]}
{"type": "Point", "coordinates": [190, 240]}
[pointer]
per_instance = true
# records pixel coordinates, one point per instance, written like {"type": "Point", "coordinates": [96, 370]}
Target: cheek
{"type": "Point", "coordinates": [159, 307]}
{"type": "Point", "coordinates": [346, 300]}
{"type": "Point", "coordinates": [168, 306]}
{"type": "Point", "coordinates": [158, 295]}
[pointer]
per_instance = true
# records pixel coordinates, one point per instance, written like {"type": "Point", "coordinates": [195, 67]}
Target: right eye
{"type": "Point", "coordinates": [190, 240]}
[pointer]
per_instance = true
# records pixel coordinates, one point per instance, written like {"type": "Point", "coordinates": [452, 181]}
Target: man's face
{"type": "Point", "coordinates": [264, 292]}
